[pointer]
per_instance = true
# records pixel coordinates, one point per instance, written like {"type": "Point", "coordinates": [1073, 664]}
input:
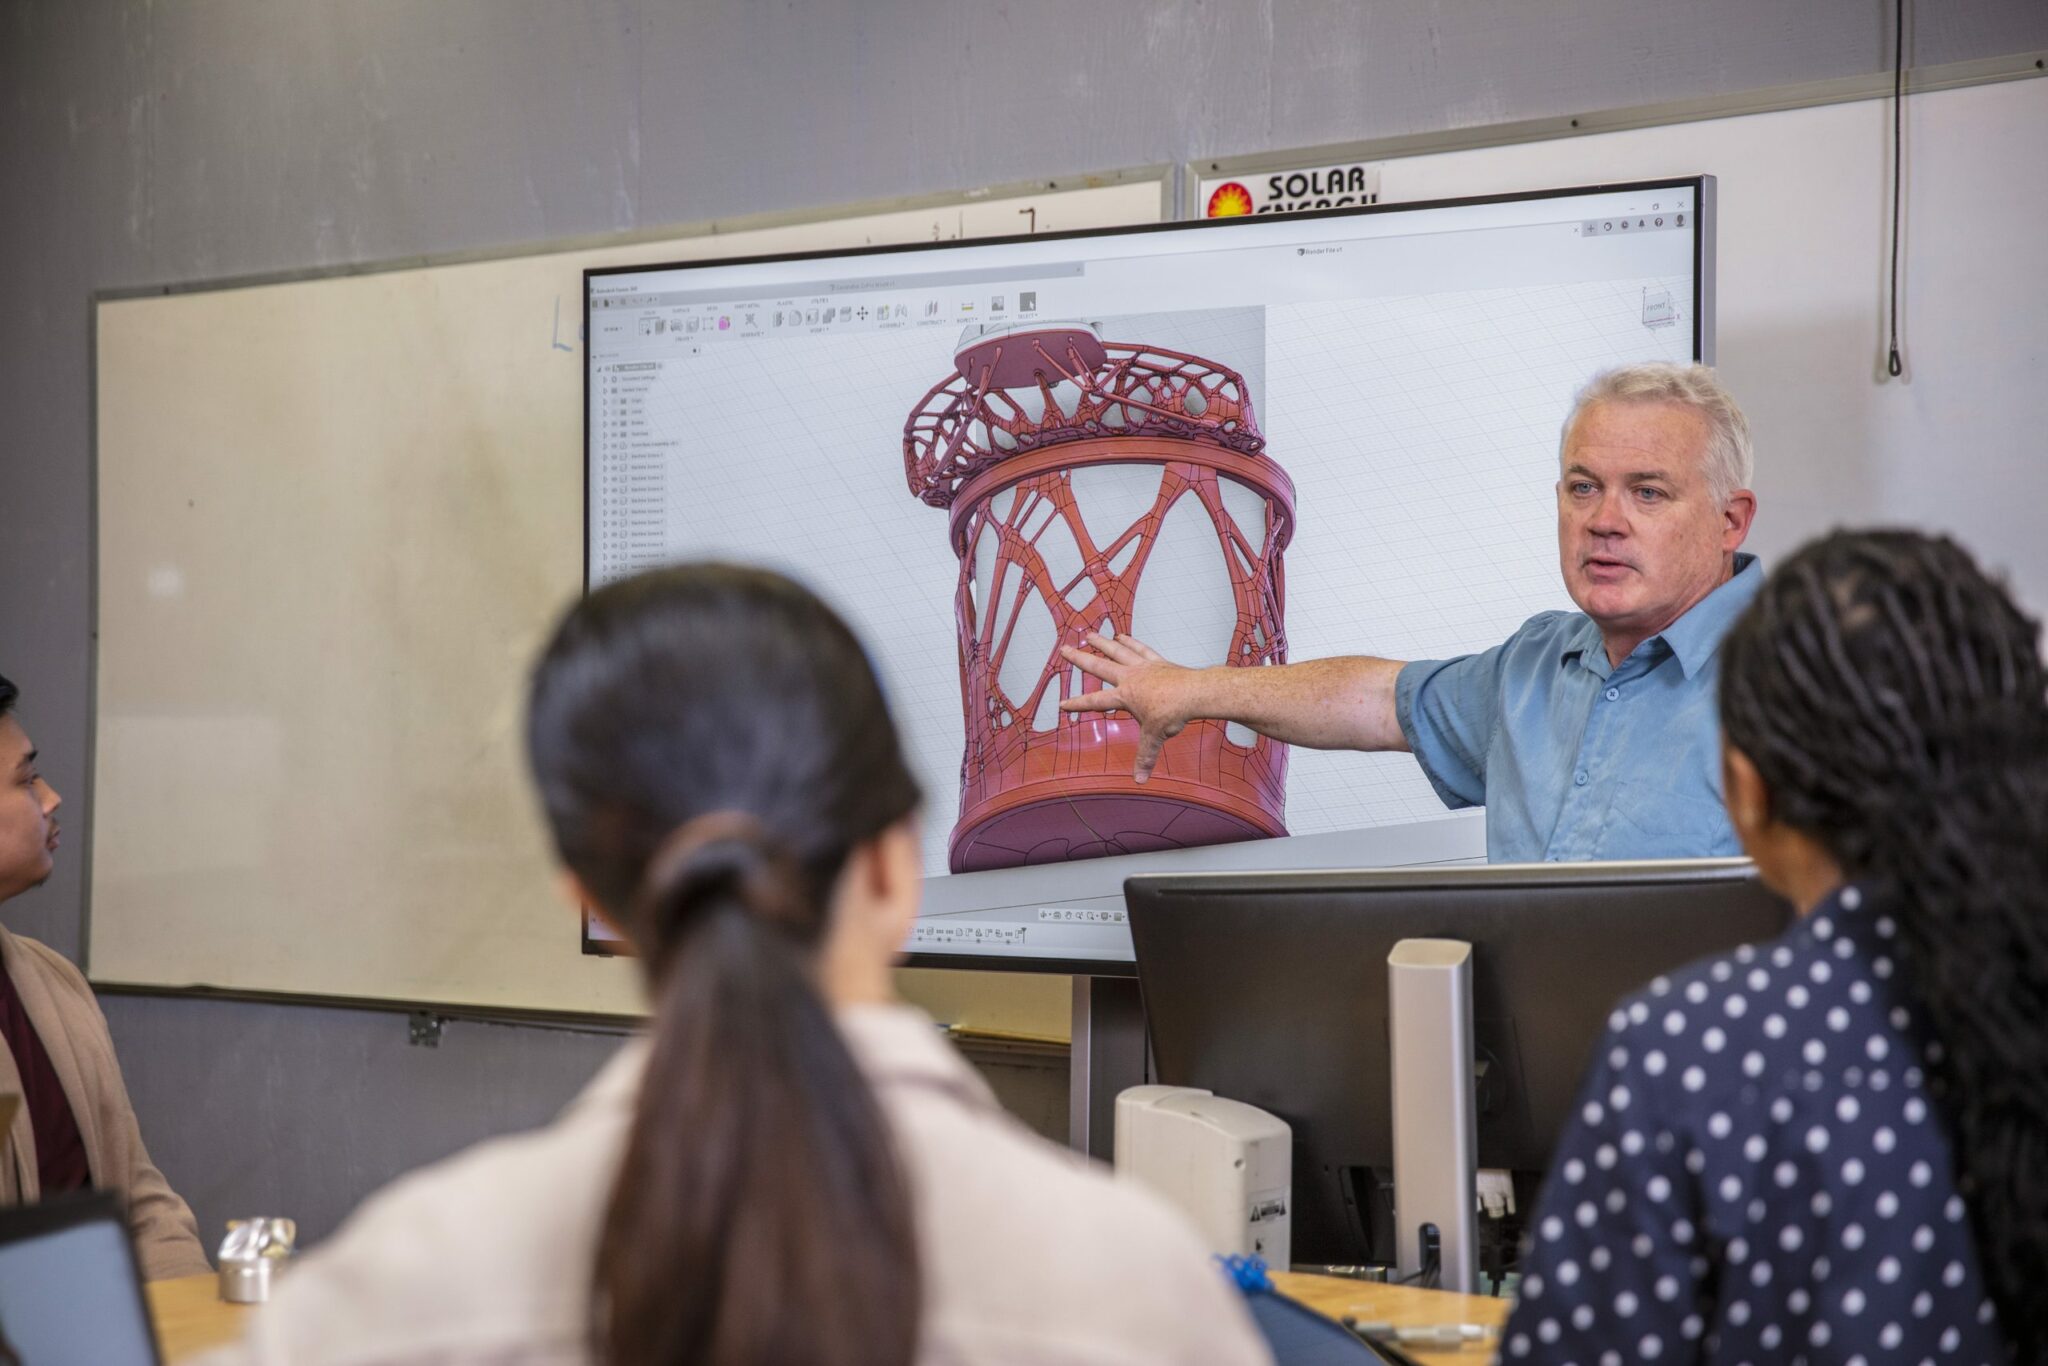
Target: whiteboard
{"type": "Point", "coordinates": [1802, 280]}
{"type": "Point", "coordinates": [335, 519]}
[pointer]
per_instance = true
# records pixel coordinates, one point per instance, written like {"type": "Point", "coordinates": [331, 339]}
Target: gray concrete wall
{"type": "Point", "coordinates": [184, 140]}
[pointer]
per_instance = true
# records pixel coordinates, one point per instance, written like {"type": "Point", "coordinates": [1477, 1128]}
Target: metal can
{"type": "Point", "coordinates": [251, 1256]}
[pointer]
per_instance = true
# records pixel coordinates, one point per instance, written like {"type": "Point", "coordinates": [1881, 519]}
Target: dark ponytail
{"type": "Point", "coordinates": [1894, 701]}
{"type": "Point", "coordinates": [711, 744]}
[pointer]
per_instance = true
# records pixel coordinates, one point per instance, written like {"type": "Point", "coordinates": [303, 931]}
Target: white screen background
{"type": "Point", "coordinates": [1420, 432]}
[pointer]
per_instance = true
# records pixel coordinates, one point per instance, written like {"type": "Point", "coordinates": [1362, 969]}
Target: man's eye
{"type": "Point", "coordinates": [1582, 488]}
{"type": "Point", "coordinates": [1649, 495]}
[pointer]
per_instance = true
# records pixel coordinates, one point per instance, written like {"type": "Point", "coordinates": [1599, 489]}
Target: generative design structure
{"type": "Point", "coordinates": [1117, 488]}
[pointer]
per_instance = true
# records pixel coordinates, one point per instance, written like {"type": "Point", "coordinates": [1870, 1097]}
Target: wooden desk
{"type": "Point", "coordinates": [190, 1315]}
{"type": "Point", "coordinates": [1402, 1305]}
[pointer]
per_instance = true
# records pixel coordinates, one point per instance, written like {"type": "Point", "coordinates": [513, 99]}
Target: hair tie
{"type": "Point", "coordinates": [715, 850]}
{"type": "Point", "coordinates": [682, 844]}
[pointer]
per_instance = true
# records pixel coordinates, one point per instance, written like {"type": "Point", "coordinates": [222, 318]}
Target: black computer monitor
{"type": "Point", "coordinates": [1271, 988]}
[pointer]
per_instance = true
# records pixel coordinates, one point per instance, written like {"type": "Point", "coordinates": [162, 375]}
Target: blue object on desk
{"type": "Point", "coordinates": [1296, 1334]}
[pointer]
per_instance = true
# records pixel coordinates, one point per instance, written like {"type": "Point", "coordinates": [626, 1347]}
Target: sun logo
{"type": "Point", "coordinates": [1231, 200]}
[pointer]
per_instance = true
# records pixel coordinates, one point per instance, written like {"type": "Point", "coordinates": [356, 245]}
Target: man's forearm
{"type": "Point", "coordinates": [1341, 703]}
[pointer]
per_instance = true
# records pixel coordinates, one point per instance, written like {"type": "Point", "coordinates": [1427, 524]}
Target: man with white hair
{"type": "Point", "coordinates": [1585, 735]}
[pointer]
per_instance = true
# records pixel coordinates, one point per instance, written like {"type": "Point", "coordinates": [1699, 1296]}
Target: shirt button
{"type": "Point", "coordinates": [1614, 694]}
{"type": "Point", "coordinates": [1580, 777]}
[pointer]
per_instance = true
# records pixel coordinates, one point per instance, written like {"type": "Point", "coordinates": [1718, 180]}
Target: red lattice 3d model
{"type": "Point", "coordinates": [1071, 467]}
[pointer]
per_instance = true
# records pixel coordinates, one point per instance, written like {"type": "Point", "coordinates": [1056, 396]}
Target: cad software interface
{"type": "Point", "coordinates": [1276, 439]}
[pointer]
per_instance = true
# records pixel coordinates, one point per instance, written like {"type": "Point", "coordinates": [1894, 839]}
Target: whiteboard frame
{"type": "Point", "coordinates": [1165, 175]}
{"type": "Point", "coordinates": [1770, 99]}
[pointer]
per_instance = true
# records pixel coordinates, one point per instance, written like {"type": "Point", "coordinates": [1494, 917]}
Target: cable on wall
{"type": "Point", "coordinates": [1894, 364]}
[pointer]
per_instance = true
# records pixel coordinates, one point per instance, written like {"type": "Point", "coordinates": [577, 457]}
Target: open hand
{"type": "Point", "coordinates": [1141, 682]}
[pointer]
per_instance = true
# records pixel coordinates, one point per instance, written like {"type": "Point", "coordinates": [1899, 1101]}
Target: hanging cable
{"type": "Point", "coordinates": [1894, 364]}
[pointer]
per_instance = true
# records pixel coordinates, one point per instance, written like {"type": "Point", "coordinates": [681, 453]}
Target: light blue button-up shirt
{"type": "Point", "coordinates": [1573, 758]}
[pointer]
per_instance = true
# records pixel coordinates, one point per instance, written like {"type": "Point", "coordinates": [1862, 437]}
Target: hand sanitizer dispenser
{"type": "Point", "coordinates": [1229, 1167]}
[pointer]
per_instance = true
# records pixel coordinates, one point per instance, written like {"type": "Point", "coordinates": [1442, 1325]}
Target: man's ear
{"type": "Point", "coordinates": [1737, 514]}
{"type": "Point", "coordinates": [577, 897]}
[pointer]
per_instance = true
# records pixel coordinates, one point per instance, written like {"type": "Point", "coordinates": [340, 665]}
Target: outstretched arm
{"type": "Point", "coordinates": [1342, 703]}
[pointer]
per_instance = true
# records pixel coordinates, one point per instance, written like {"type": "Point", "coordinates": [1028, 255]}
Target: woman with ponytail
{"type": "Point", "coordinates": [792, 1169]}
{"type": "Point", "coordinates": [1835, 1147]}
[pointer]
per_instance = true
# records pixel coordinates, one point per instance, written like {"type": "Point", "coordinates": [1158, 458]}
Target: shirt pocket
{"type": "Point", "coordinates": [1651, 820]}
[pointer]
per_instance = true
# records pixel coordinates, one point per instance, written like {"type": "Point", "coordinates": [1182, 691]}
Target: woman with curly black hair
{"type": "Point", "coordinates": [1835, 1147]}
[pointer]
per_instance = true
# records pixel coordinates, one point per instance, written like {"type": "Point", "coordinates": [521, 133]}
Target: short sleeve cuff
{"type": "Point", "coordinates": [1426, 746]}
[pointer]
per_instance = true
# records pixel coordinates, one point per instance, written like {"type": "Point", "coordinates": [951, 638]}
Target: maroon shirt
{"type": "Point", "coordinates": [60, 1148]}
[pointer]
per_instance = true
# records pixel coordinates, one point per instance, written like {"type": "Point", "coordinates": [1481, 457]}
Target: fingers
{"type": "Point", "coordinates": [1150, 742]}
{"type": "Point", "coordinates": [1119, 648]}
{"type": "Point", "coordinates": [1151, 739]}
{"type": "Point", "coordinates": [1125, 650]}
{"type": "Point", "coordinates": [1103, 667]}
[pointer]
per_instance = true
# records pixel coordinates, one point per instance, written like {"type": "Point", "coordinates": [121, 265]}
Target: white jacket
{"type": "Point", "coordinates": [1030, 1254]}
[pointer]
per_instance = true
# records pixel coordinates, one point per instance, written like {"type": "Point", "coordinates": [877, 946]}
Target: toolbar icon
{"type": "Point", "coordinates": [1027, 300]}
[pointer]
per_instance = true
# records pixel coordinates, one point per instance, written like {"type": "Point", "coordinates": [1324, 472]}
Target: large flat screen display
{"type": "Point", "coordinates": [1240, 442]}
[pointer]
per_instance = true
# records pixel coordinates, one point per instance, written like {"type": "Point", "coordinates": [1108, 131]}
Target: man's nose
{"type": "Point", "coordinates": [54, 800]}
{"type": "Point", "coordinates": [1609, 517]}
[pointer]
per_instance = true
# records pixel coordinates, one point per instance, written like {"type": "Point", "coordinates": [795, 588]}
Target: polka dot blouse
{"type": "Point", "coordinates": [1756, 1174]}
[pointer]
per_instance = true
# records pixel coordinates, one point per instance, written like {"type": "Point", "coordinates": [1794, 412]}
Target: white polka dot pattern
{"type": "Point", "coordinates": [1749, 1185]}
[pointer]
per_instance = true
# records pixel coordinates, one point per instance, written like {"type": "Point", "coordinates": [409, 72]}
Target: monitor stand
{"type": "Point", "coordinates": [1436, 1141]}
{"type": "Point", "coordinates": [1108, 1057]}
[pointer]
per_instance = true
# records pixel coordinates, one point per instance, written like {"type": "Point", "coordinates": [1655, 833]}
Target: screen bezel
{"type": "Point", "coordinates": [81, 1209]}
{"type": "Point", "coordinates": [1702, 349]}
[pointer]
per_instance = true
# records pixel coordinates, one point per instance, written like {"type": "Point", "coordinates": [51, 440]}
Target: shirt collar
{"type": "Point", "coordinates": [1694, 637]}
{"type": "Point", "coordinates": [899, 1044]}
{"type": "Point", "coordinates": [1844, 906]}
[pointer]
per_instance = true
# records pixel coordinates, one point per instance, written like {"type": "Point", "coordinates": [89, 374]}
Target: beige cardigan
{"type": "Point", "coordinates": [74, 1033]}
{"type": "Point", "coordinates": [1030, 1255]}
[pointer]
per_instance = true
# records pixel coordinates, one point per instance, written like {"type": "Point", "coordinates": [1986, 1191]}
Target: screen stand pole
{"type": "Point", "coordinates": [1429, 994]}
{"type": "Point", "coordinates": [1108, 1056]}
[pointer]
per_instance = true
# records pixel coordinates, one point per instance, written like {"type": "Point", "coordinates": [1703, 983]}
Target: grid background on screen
{"type": "Point", "coordinates": [1420, 433]}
